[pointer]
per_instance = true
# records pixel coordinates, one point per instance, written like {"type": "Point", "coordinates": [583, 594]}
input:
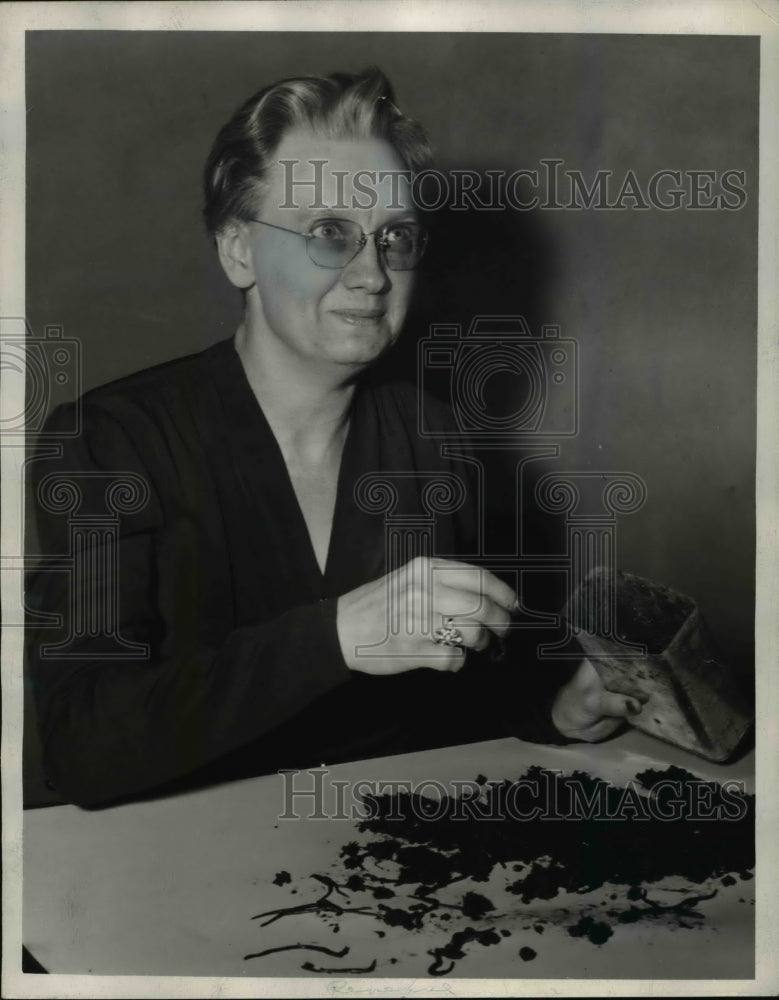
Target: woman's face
{"type": "Point", "coordinates": [346, 316]}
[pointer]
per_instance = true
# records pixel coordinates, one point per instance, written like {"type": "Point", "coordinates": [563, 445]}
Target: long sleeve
{"type": "Point", "coordinates": [116, 720]}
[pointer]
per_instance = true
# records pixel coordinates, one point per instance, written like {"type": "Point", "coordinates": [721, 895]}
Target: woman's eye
{"type": "Point", "coordinates": [402, 233]}
{"type": "Point", "coordinates": [329, 230]}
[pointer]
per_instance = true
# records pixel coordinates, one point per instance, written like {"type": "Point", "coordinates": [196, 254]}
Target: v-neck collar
{"type": "Point", "coordinates": [276, 526]}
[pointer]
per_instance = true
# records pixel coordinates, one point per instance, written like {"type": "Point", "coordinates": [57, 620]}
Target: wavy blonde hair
{"type": "Point", "coordinates": [338, 106]}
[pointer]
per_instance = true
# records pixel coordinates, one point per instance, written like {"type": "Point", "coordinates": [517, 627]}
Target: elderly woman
{"type": "Point", "coordinates": [252, 584]}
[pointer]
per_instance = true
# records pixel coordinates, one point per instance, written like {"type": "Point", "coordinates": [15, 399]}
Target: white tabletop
{"type": "Point", "coordinates": [169, 887]}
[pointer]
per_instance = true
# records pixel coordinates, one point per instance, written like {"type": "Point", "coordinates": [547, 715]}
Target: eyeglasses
{"type": "Point", "coordinates": [335, 243]}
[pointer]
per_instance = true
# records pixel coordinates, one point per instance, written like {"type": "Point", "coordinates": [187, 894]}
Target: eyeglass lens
{"type": "Point", "coordinates": [336, 242]}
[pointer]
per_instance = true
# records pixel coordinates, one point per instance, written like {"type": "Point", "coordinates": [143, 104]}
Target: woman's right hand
{"type": "Point", "coordinates": [386, 626]}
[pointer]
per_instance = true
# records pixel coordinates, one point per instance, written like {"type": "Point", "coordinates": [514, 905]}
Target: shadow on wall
{"type": "Point", "coordinates": [492, 264]}
{"type": "Point", "coordinates": [507, 264]}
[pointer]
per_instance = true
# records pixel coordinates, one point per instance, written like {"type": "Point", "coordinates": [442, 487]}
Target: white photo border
{"type": "Point", "coordinates": [716, 17]}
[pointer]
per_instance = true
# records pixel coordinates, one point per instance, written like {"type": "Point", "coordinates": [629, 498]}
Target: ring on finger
{"type": "Point", "coordinates": [448, 635]}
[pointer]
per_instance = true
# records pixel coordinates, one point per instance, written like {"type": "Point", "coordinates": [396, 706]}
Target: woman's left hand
{"type": "Point", "coordinates": [586, 710]}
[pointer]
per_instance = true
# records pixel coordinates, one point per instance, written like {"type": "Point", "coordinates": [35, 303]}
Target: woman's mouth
{"type": "Point", "coordinates": [360, 317]}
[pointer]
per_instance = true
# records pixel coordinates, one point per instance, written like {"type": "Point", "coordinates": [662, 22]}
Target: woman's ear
{"type": "Point", "coordinates": [235, 254]}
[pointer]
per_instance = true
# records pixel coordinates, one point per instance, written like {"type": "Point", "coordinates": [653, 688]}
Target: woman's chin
{"type": "Point", "coordinates": [359, 350]}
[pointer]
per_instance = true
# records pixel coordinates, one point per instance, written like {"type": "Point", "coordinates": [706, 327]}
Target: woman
{"type": "Point", "coordinates": [253, 587]}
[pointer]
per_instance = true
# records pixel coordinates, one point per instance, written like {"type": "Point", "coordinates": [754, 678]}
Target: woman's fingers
{"type": "Point", "coordinates": [619, 706]}
{"type": "Point", "coordinates": [449, 659]}
{"type": "Point", "coordinates": [584, 709]}
{"type": "Point", "coordinates": [475, 635]}
{"type": "Point", "coordinates": [471, 608]}
{"type": "Point", "coordinates": [400, 612]}
{"type": "Point", "coordinates": [473, 580]}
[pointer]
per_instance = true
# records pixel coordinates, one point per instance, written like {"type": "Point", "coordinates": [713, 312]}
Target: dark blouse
{"type": "Point", "coordinates": [217, 577]}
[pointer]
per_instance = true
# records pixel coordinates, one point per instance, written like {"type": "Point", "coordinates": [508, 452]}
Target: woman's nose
{"type": "Point", "coordinates": [366, 269]}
